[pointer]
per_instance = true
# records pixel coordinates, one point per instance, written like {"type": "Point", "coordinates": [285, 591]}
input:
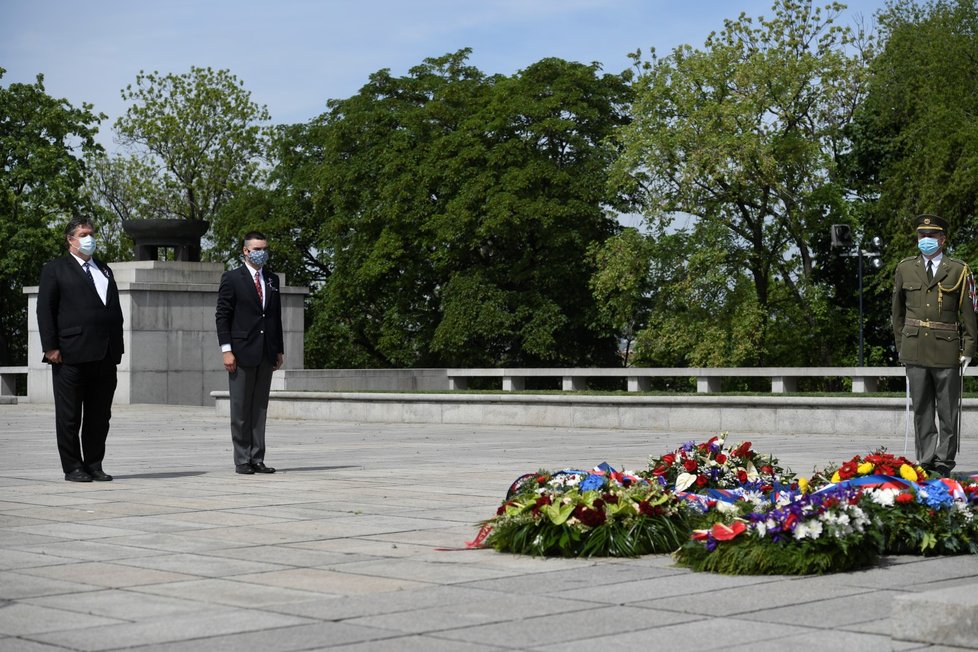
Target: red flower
{"type": "Point", "coordinates": [723, 532]}
{"type": "Point", "coordinates": [701, 480]}
{"type": "Point", "coordinates": [647, 509]}
{"type": "Point", "coordinates": [721, 458]}
{"type": "Point", "coordinates": [588, 516]}
{"type": "Point", "coordinates": [743, 450]}
{"type": "Point", "coordinates": [767, 470]}
{"type": "Point", "coordinates": [669, 459]}
{"type": "Point", "coordinates": [741, 476]}
{"type": "Point", "coordinates": [905, 497]}
{"type": "Point", "coordinates": [690, 465]}
{"type": "Point", "coordinates": [659, 470]}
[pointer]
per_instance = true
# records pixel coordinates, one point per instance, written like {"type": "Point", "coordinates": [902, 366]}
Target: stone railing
{"type": "Point", "coordinates": [638, 379]}
{"type": "Point", "coordinates": [8, 381]}
{"type": "Point", "coordinates": [708, 380]}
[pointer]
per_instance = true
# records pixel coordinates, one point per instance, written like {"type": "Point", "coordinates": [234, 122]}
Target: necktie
{"type": "Point", "coordinates": [930, 270]}
{"type": "Point", "coordinates": [261, 297]}
{"type": "Point", "coordinates": [88, 272]}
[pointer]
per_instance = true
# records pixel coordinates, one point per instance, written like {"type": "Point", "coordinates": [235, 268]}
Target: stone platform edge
{"type": "Point", "coordinates": [682, 414]}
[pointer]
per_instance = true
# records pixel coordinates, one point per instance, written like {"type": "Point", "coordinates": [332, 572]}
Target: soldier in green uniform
{"type": "Point", "coordinates": [935, 330]}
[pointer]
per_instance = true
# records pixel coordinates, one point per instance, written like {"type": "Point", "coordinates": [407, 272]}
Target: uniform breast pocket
{"type": "Point", "coordinates": [71, 331]}
{"type": "Point", "coordinates": [912, 293]}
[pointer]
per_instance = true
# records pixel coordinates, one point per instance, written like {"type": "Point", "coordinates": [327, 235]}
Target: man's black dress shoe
{"type": "Point", "coordinates": [260, 467]}
{"type": "Point", "coordinates": [244, 469]}
{"type": "Point", "coordinates": [99, 475]}
{"type": "Point", "coordinates": [78, 475]}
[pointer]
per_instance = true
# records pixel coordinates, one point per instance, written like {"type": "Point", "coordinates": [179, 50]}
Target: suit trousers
{"type": "Point", "coordinates": [249, 388]}
{"type": "Point", "coordinates": [83, 402]}
{"type": "Point", "coordinates": [935, 389]}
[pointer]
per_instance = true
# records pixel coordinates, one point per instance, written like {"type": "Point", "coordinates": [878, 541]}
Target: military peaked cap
{"type": "Point", "coordinates": [928, 222]}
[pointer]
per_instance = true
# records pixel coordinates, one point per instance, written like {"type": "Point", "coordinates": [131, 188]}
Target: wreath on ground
{"type": "Point", "coordinates": [571, 513]}
{"type": "Point", "coordinates": [730, 509]}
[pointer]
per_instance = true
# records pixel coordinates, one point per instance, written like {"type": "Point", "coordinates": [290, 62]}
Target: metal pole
{"type": "Point", "coordinates": [960, 405]}
{"type": "Point", "coordinates": [859, 253]}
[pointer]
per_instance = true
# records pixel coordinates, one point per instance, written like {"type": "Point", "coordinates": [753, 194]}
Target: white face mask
{"type": "Point", "coordinates": [86, 245]}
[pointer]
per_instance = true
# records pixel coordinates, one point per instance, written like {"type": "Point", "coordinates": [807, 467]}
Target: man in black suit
{"type": "Point", "coordinates": [80, 322]}
{"type": "Point", "coordinates": [249, 329]}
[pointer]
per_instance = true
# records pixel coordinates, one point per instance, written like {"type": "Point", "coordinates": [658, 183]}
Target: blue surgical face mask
{"type": "Point", "coordinates": [928, 246]}
{"type": "Point", "coordinates": [86, 245]}
{"type": "Point", "coordinates": [258, 257]}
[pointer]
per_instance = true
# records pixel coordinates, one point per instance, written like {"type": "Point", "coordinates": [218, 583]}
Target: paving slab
{"type": "Point", "coordinates": [358, 543]}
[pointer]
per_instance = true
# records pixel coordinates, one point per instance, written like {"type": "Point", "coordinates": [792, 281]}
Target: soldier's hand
{"type": "Point", "coordinates": [965, 361]}
{"type": "Point", "coordinates": [230, 362]}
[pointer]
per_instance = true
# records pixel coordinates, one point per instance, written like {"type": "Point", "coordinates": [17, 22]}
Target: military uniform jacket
{"type": "Point", "coordinates": [925, 311]}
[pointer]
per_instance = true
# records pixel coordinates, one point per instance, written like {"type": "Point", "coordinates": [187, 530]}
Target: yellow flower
{"type": "Point", "coordinates": [865, 468]}
{"type": "Point", "coordinates": [835, 477]}
{"type": "Point", "coordinates": [907, 473]}
{"type": "Point", "coordinates": [921, 473]}
{"type": "Point", "coordinates": [803, 485]}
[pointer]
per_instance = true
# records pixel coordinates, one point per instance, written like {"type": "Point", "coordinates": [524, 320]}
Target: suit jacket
{"type": "Point", "coordinates": [948, 299]}
{"type": "Point", "coordinates": [241, 322]}
{"type": "Point", "coordinates": [72, 318]}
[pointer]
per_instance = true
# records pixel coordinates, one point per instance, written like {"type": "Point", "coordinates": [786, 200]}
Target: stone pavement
{"type": "Point", "coordinates": [357, 543]}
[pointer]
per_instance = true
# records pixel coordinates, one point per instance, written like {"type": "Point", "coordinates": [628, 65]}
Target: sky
{"type": "Point", "coordinates": [294, 55]}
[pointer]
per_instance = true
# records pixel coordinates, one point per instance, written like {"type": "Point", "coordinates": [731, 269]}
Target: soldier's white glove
{"type": "Point", "coordinates": [965, 361]}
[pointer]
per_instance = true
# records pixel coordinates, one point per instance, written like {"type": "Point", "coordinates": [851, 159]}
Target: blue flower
{"type": "Point", "coordinates": [937, 496]}
{"type": "Point", "coordinates": [592, 482]}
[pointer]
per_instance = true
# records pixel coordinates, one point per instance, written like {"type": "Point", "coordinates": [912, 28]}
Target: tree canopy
{"type": "Point", "coordinates": [742, 138]}
{"type": "Point", "coordinates": [916, 134]}
{"type": "Point", "coordinates": [191, 142]}
{"type": "Point", "coordinates": [43, 144]}
{"type": "Point", "coordinates": [453, 212]}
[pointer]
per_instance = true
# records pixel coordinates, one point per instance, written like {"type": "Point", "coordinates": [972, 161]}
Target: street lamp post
{"type": "Point", "coordinates": [842, 237]}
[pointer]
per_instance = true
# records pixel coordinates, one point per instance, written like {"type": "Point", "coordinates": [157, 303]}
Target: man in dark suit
{"type": "Point", "coordinates": [935, 328]}
{"type": "Point", "coordinates": [249, 329]}
{"type": "Point", "coordinates": [80, 323]}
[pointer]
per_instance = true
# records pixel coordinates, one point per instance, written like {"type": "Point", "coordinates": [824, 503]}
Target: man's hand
{"type": "Point", "coordinates": [965, 361]}
{"type": "Point", "coordinates": [53, 356]}
{"type": "Point", "coordinates": [279, 361]}
{"type": "Point", "coordinates": [230, 362]}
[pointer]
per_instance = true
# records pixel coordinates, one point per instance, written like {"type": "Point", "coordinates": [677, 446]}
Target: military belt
{"type": "Point", "coordinates": [936, 325]}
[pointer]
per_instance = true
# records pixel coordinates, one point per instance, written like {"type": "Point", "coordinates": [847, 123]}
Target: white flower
{"type": "Point", "coordinates": [811, 529]}
{"type": "Point", "coordinates": [725, 507]}
{"type": "Point", "coordinates": [755, 498]}
{"type": "Point", "coordinates": [684, 481]}
{"type": "Point", "coordinates": [883, 497]}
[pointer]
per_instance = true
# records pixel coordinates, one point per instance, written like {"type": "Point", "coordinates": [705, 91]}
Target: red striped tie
{"type": "Point", "coordinates": [261, 297]}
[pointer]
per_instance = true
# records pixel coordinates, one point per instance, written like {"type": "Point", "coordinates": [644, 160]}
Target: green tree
{"type": "Point", "coordinates": [191, 142]}
{"type": "Point", "coordinates": [455, 211]}
{"type": "Point", "coordinates": [622, 285]}
{"type": "Point", "coordinates": [743, 137]}
{"type": "Point", "coordinates": [915, 135]}
{"type": "Point", "coordinates": [43, 143]}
